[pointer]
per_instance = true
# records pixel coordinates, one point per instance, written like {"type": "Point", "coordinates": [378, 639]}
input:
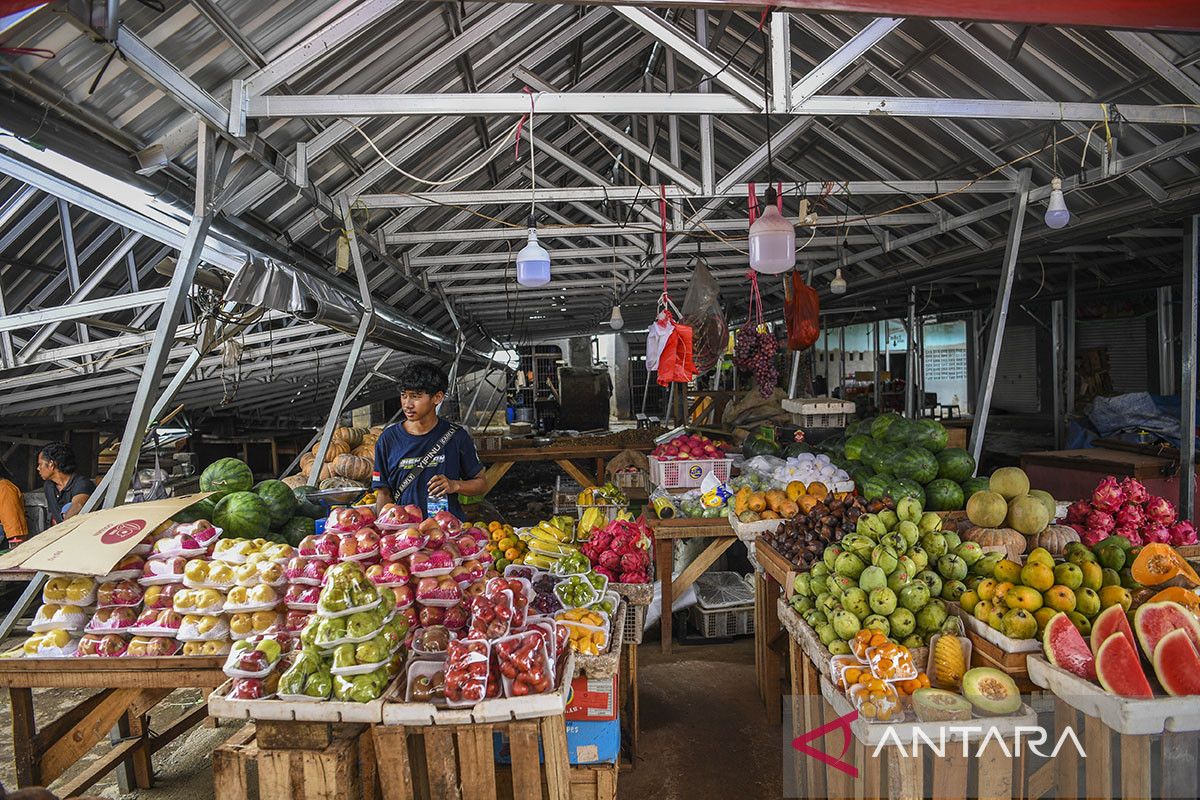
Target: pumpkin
{"type": "Point", "coordinates": [295, 481]}
{"type": "Point", "coordinates": [1159, 563]}
{"type": "Point", "coordinates": [340, 483]}
{"type": "Point", "coordinates": [1012, 541]}
{"type": "Point", "coordinates": [376, 430]}
{"type": "Point", "coordinates": [306, 461]}
{"type": "Point", "coordinates": [351, 436]}
{"type": "Point", "coordinates": [1177, 594]}
{"type": "Point", "coordinates": [336, 448]}
{"type": "Point", "coordinates": [326, 471]}
{"type": "Point", "coordinates": [355, 468]}
{"type": "Point", "coordinates": [1055, 538]}
{"type": "Point", "coordinates": [364, 451]}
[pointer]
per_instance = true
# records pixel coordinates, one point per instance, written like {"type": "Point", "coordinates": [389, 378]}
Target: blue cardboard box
{"type": "Point", "coordinates": [587, 743]}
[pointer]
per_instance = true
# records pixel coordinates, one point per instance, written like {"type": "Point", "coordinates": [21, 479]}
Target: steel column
{"type": "Point", "coordinates": [1187, 417]}
{"type": "Point", "coordinates": [910, 356]}
{"type": "Point", "coordinates": [212, 165]}
{"type": "Point", "coordinates": [841, 362]}
{"type": "Point", "coordinates": [781, 62]}
{"type": "Point", "coordinates": [8, 358]}
{"type": "Point", "coordinates": [878, 385]}
{"type": "Point", "coordinates": [1056, 369]}
{"type": "Point", "coordinates": [999, 316]}
{"type": "Point", "coordinates": [1166, 342]}
{"type": "Point", "coordinates": [708, 172]}
{"type": "Point", "coordinates": [791, 381]}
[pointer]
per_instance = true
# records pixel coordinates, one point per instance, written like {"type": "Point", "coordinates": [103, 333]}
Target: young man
{"type": "Point", "coordinates": [425, 461]}
{"type": "Point", "coordinates": [66, 491]}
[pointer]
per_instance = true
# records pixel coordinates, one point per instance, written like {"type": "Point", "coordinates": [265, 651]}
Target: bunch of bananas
{"type": "Point", "coordinates": [504, 545]}
{"type": "Point", "coordinates": [549, 540]}
{"type": "Point", "coordinates": [606, 495]}
{"type": "Point", "coordinates": [593, 518]}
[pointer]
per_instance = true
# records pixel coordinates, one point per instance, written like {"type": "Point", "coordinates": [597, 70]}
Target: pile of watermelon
{"type": "Point", "coordinates": [268, 510]}
{"type": "Point", "coordinates": [892, 456]}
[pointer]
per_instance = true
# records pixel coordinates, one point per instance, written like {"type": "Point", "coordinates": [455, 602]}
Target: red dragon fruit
{"type": "Point", "coordinates": [1183, 533]}
{"type": "Point", "coordinates": [632, 562]}
{"type": "Point", "coordinates": [635, 577]}
{"type": "Point", "coordinates": [1132, 534]}
{"type": "Point", "coordinates": [1161, 511]}
{"type": "Point", "coordinates": [1100, 522]}
{"type": "Point", "coordinates": [608, 573]}
{"type": "Point", "coordinates": [1130, 516]}
{"type": "Point", "coordinates": [1156, 533]}
{"type": "Point", "coordinates": [1108, 495]}
{"type": "Point", "coordinates": [1135, 492]}
{"type": "Point", "coordinates": [610, 561]}
{"type": "Point", "coordinates": [1077, 512]}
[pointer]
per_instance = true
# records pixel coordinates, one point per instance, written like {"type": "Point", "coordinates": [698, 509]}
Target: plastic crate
{"type": "Point", "coordinates": [566, 495]}
{"type": "Point", "coordinates": [819, 412]}
{"type": "Point", "coordinates": [633, 479]}
{"type": "Point", "coordinates": [719, 590]}
{"type": "Point", "coordinates": [635, 623]}
{"type": "Point", "coordinates": [724, 622]}
{"type": "Point", "coordinates": [688, 474]}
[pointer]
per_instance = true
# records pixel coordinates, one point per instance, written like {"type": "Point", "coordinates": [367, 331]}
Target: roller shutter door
{"type": "Point", "coordinates": [1016, 387]}
{"type": "Point", "coordinates": [1127, 342]}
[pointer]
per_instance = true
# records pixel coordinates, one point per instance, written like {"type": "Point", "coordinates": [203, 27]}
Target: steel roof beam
{"type": "Point", "coordinates": [86, 308]}
{"type": "Point", "coordinates": [635, 229]}
{"type": "Point", "coordinates": [845, 55]}
{"type": "Point", "coordinates": [1142, 46]}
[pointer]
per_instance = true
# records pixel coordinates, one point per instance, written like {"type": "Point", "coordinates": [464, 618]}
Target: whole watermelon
{"type": "Point", "coordinates": [859, 472]}
{"type": "Point", "coordinates": [955, 464]}
{"type": "Point", "coordinates": [855, 445]}
{"type": "Point", "coordinates": [297, 528]}
{"type": "Point", "coordinates": [281, 503]}
{"type": "Point", "coordinates": [943, 494]}
{"type": "Point", "coordinates": [860, 427]}
{"type": "Point", "coordinates": [879, 427]}
{"type": "Point", "coordinates": [242, 515]}
{"type": "Point", "coordinates": [795, 449]}
{"type": "Point", "coordinates": [904, 487]}
{"type": "Point", "coordinates": [306, 507]}
{"type": "Point", "coordinates": [883, 460]}
{"type": "Point", "coordinates": [972, 485]}
{"type": "Point", "coordinates": [759, 445]}
{"type": "Point", "coordinates": [875, 487]}
{"type": "Point", "coordinates": [202, 509]}
{"type": "Point", "coordinates": [226, 475]}
{"type": "Point", "coordinates": [916, 464]}
{"type": "Point", "coordinates": [899, 431]}
{"type": "Point", "coordinates": [929, 434]}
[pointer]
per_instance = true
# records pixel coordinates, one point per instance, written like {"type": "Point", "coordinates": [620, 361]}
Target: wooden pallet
{"type": "Point", "coordinates": [309, 760]}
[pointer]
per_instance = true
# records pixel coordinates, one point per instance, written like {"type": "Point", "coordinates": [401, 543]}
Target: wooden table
{"type": "Point", "coordinates": [666, 531]}
{"type": "Point", "coordinates": [129, 689]}
{"type": "Point", "coordinates": [770, 640]}
{"type": "Point", "coordinates": [501, 461]}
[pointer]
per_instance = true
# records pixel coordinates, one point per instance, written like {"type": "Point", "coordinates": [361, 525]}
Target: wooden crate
{"type": "Point", "coordinates": [343, 769]}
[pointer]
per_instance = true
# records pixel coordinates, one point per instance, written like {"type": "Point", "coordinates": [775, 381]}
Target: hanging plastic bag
{"type": "Point", "coordinates": [702, 311]}
{"type": "Point", "coordinates": [802, 315]}
{"type": "Point", "coordinates": [656, 339]}
{"type": "Point", "coordinates": [676, 364]}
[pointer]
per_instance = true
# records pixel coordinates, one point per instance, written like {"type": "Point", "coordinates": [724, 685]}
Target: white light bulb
{"type": "Point", "coordinates": [838, 284]}
{"type": "Point", "coordinates": [616, 321]}
{"type": "Point", "coordinates": [533, 263]}
{"type": "Point", "coordinates": [1057, 215]}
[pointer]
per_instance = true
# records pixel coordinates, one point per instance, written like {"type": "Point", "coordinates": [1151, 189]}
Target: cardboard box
{"type": "Point", "coordinates": [594, 700]}
{"type": "Point", "coordinates": [587, 743]}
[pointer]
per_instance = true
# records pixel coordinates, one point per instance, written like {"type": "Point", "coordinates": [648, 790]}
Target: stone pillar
{"type": "Point", "coordinates": [621, 376]}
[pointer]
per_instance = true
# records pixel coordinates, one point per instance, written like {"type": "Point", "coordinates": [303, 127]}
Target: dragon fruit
{"type": "Point", "coordinates": [1130, 516]}
{"type": "Point", "coordinates": [610, 561]}
{"type": "Point", "coordinates": [1182, 533]}
{"type": "Point", "coordinates": [1135, 492]}
{"type": "Point", "coordinates": [1077, 512]}
{"type": "Point", "coordinates": [1100, 522]}
{"type": "Point", "coordinates": [1161, 511]}
{"type": "Point", "coordinates": [608, 573]}
{"type": "Point", "coordinates": [1156, 533]}
{"type": "Point", "coordinates": [1108, 495]}
{"type": "Point", "coordinates": [635, 577]}
{"type": "Point", "coordinates": [1134, 535]}
{"type": "Point", "coordinates": [632, 562]}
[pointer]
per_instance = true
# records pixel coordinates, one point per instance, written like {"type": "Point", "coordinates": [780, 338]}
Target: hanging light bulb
{"type": "Point", "coordinates": [838, 284]}
{"type": "Point", "coordinates": [772, 239]}
{"type": "Point", "coordinates": [616, 321]}
{"type": "Point", "coordinates": [533, 262]}
{"type": "Point", "coordinates": [1057, 215]}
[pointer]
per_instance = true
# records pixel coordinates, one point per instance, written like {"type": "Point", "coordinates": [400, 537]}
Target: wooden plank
{"type": "Point", "coordinates": [328, 774]}
{"type": "Point", "coordinates": [395, 776]}
{"type": "Point", "coordinates": [664, 551]}
{"type": "Point", "coordinates": [700, 565]}
{"type": "Point", "coordinates": [146, 701]}
{"type": "Point", "coordinates": [1097, 743]}
{"type": "Point", "coordinates": [557, 764]}
{"type": "Point", "coordinates": [772, 562]}
{"type": "Point", "coordinates": [52, 732]}
{"type": "Point", "coordinates": [98, 768]}
{"type": "Point", "coordinates": [477, 762]}
{"type": "Point", "coordinates": [814, 772]}
{"type": "Point", "coordinates": [494, 473]}
{"type": "Point", "coordinates": [26, 747]}
{"type": "Point", "coordinates": [581, 477]}
{"type": "Point", "coordinates": [14, 674]}
{"type": "Point", "coordinates": [875, 781]}
{"type": "Point", "coordinates": [949, 776]}
{"type": "Point", "coordinates": [92, 729]}
{"type": "Point", "coordinates": [138, 727]}
{"type": "Point", "coordinates": [441, 759]}
{"type": "Point", "coordinates": [772, 668]}
{"type": "Point", "coordinates": [368, 766]}
{"type": "Point", "coordinates": [276, 773]}
{"type": "Point", "coordinates": [1041, 783]}
{"type": "Point", "coordinates": [526, 769]}
{"type": "Point", "coordinates": [230, 774]}
{"type": "Point", "coordinates": [1180, 755]}
{"type": "Point", "coordinates": [906, 780]}
{"type": "Point", "coordinates": [695, 529]}
{"type": "Point", "coordinates": [182, 724]}
{"type": "Point", "coordinates": [279, 735]}
{"type": "Point", "coordinates": [797, 658]}
{"type": "Point", "coordinates": [1066, 765]}
{"type": "Point", "coordinates": [1135, 767]}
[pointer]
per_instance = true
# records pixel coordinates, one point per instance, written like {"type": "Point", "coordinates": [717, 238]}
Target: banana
{"type": "Point", "coordinates": [539, 561]}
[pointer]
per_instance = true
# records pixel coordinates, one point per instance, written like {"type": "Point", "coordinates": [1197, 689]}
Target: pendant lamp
{"type": "Point", "coordinates": [772, 239]}
{"type": "Point", "coordinates": [533, 262]}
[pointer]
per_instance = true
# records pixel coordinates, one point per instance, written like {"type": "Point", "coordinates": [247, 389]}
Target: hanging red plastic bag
{"type": "Point", "coordinates": [676, 364]}
{"type": "Point", "coordinates": [802, 314]}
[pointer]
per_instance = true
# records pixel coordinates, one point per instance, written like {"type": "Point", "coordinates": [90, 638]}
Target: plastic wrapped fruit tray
{"type": "Point", "coordinates": [1122, 714]}
{"type": "Point", "coordinates": [370, 713]}
{"type": "Point", "coordinates": [500, 709]}
{"type": "Point", "coordinates": [871, 734]}
{"type": "Point", "coordinates": [605, 665]}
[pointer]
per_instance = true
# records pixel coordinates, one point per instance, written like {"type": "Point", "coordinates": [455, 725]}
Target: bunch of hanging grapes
{"type": "Point", "coordinates": [755, 350]}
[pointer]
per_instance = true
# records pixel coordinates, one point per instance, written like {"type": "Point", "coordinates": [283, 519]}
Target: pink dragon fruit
{"type": "Point", "coordinates": [1100, 522]}
{"type": "Point", "coordinates": [610, 560]}
{"type": "Point", "coordinates": [1077, 512]}
{"type": "Point", "coordinates": [635, 577]}
{"type": "Point", "coordinates": [1135, 492]}
{"type": "Point", "coordinates": [1161, 511]}
{"type": "Point", "coordinates": [1130, 516]}
{"type": "Point", "coordinates": [1183, 533]}
{"type": "Point", "coordinates": [600, 540]}
{"type": "Point", "coordinates": [1108, 495]}
{"type": "Point", "coordinates": [1134, 535]}
{"type": "Point", "coordinates": [632, 562]}
{"type": "Point", "coordinates": [608, 573]}
{"type": "Point", "coordinates": [1156, 533]}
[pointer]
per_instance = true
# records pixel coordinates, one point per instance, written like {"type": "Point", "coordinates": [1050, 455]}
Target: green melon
{"type": "Point", "coordinates": [906, 487]}
{"type": "Point", "coordinates": [955, 464]}
{"type": "Point", "coordinates": [242, 515]}
{"type": "Point", "coordinates": [875, 487]}
{"type": "Point", "coordinates": [226, 475]}
{"type": "Point", "coordinates": [943, 495]}
{"type": "Point", "coordinates": [899, 431]}
{"type": "Point", "coordinates": [880, 425]}
{"type": "Point", "coordinates": [281, 503]}
{"type": "Point", "coordinates": [1010, 482]}
{"type": "Point", "coordinates": [929, 434]}
{"type": "Point", "coordinates": [973, 486]}
{"type": "Point", "coordinates": [915, 463]}
{"type": "Point", "coordinates": [199, 510]}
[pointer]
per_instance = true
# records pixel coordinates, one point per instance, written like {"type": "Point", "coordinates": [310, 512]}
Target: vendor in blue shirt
{"type": "Point", "coordinates": [402, 448]}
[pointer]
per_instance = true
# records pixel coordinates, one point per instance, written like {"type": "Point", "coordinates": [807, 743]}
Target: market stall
{"type": "Point", "coordinates": [499, 462]}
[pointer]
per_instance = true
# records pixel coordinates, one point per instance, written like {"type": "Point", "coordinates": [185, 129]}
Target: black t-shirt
{"type": "Point", "coordinates": [58, 501]}
{"type": "Point", "coordinates": [397, 451]}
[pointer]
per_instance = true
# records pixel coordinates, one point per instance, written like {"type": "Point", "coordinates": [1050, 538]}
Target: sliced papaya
{"type": "Point", "coordinates": [1159, 563]}
{"type": "Point", "coordinates": [1177, 594]}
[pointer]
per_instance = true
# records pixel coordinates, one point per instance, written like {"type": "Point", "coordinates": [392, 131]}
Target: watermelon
{"type": "Point", "coordinates": [883, 458]}
{"type": "Point", "coordinates": [904, 487]}
{"type": "Point", "coordinates": [928, 434]}
{"type": "Point", "coordinates": [855, 445]}
{"type": "Point", "coordinates": [202, 509]}
{"type": "Point", "coordinates": [281, 503]}
{"type": "Point", "coordinates": [880, 425]}
{"type": "Point", "coordinates": [1177, 664]}
{"type": "Point", "coordinates": [974, 485]}
{"type": "Point", "coordinates": [297, 528]}
{"type": "Point", "coordinates": [860, 427]}
{"type": "Point", "coordinates": [1153, 621]}
{"type": "Point", "coordinates": [955, 463]}
{"type": "Point", "coordinates": [226, 475]}
{"type": "Point", "coordinates": [242, 515]}
{"type": "Point", "coordinates": [306, 507]}
{"type": "Point", "coordinates": [915, 463]}
{"type": "Point", "coordinates": [943, 494]}
{"type": "Point", "coordinates": [1111, 620]}
{"type": "Point", "coordinates": [875, 487]}
{"type": "Point", "coordinates": [898, 432]}
{"type": "Point", "coordinates": [796, 449]}
{"type": "Point", "coordinates": [759, 445]}
{"type": "Point", "coordinates": [1065, 647]}
{"type": "Point", "coordinates": [1120, 670]}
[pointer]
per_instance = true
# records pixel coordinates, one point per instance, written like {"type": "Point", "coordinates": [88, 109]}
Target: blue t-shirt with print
{"type": "Point", "coordinates": [397, 450]}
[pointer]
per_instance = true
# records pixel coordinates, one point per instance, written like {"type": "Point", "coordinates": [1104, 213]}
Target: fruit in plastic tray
{"type": "Point", "coordinates": [402, 595]}
{"type": "Point", "coordinates": [523, 661]}
{"type": "Point", "coordinates": [65, 589]}
{"type": "Point", "coordinates": [329, 630]}
{"type": "Point", "coordinates": [521, 590]}
{"type": "Point", "coordinates": [456, 618]}
{"type": "Point", "coordinates": [346, 587]}
{"type": "Point", "coordinates": [363, 623]}
{"type": "Point", "coordinates": [180, 543]}
{"type": "Point", "coordinates": [236, 549]}
{"type": "Point", "coordinates": [443, 588]}
{"type": "Point", "coordinates": [248, 689]}
{"type": "Point", "coordinates": [295, 621]}
{"type": "Point", "coordinates": [467, 545]}
{"type": "Point", "coordinates": [107, 645]}
{"type": "Point", "coordinates": [466, 671]}
{"type": "Point", "coordinates": [208, 601]}
{"type": "Point", "coordinates": [263, 594]}
{"type": "Point", "coordinates": [201, 530]}
{"type": "Point", "coordinates": [299, 594]}
{"type": "Point", "coordinates": [323, 546]}
{"type": "Point", "coordinates": [117, 617]}
{"type": "Point", "coordinates": [474, 589]}
{"type": "Point", "coordinates": [448, 523]}
{"type": "Point", "coordinates": [196, 570]}
{"type": "Point", "coordinates": [151, 646]}
{"type": "Point", "coordinates": [354, 547]}
{"type": "Point", "coordinates": [160, 596]}
{"type": "Point", "coordinates": [589, 634]}
{"type": "Point", "coordinates": [238, 596]}
{"type": "Point", "coordinates": [491, 615]}
{"type": "Point", "coordinates": [392, 514]}
{"type": "Point", "coordinates": [350, 519]}
{"type": "Point", "coordinates": [160, 618]}
{"type": "Point", "coordinates": [428, 688]}
{"type": "Point", "coordinates": [119, 593]}
{"type": "Point", "coordinates": [573, 563]}
{"type": "Point", "coordinates": [892, 662]}
{"type": "Point", "coordinates": [395, 631]}
{"type": "Point", "coordinates": [875, 700]}
{"type": "Point", "coordinates": [360, 688]}
{"type": "Point", "coordinates": [130, 563]}
{"type": "Point", "coordinates": [521, 571]}
{"type": "Point", "coordinates": [220, 573]}
{"type": "Point", "coordinates": [429, 560]}
{"type": "Point", "coordinates": [576, 591]}
{"type": "Point", "coordinates": [433, 639]}
{"type": "Point", "coordinates": [393, 545]}
{"type": "Point", "coordinates": [394, 573]}
{"type": "Point", "coordinates": [171, 567]}
{"type": "Point", "coordinates": [431, 615]}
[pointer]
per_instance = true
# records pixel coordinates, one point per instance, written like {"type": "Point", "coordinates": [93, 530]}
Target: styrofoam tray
{"type": "Point", "coordinates": [749, 531]}
{"type": "Point", "coordinates": [872, 733]}
{"type": "Point", "coordinates": [297, 711]}
{"type": "Point", "coordinates": [994, 636]}
{"type": "Point", "coordinates": [500, 709]}
{"type": "Point", "coordinates": [1122, 714]}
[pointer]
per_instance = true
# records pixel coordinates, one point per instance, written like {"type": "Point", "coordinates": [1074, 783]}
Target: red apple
{"type": "Point", "coordinates": [431, 616]}
{"type": "Point", "coordinates": [129, 562]}
{"type": "Point", "coordinates": [367, 538]}
{"type": "Point", "coordinates": [426, 586]}
{"type": "Point", "coordinates": [328, 545]}
{"type": "Point", "coordinates": [110, 645]}
{"type": "Point", "coordinates": [404, 596]}
{"type": "Point", "coordinates": [253, 661]}
{"type": "Point", "coordinates": [410, 612]}
{"type": "Point", "coordinates": [161, 646]}
{"type": "Point", "coordinates": [456, 617]}
{"type": "Point", "coordinates": [246, 689]}
{"type": "Point", "coordinates": [398, 572]}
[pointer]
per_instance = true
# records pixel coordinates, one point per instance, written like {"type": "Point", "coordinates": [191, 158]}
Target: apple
{"type": "Point", "coordinates": [247, 689]}
{"type": "Point", "coordinates": [328, 545]}
{"type": "Point", "coordinates": [426, 586]}
{"type": "Point", "coordinates": [129, 563]}
{"type": "Point", "coordinates": [147, 618]}
{"type": "Point", "coordinates": [110, 645]}
{"type": "Point", "coordinates": [474, 589]}
{"type": "Point", "coordinates": [184, 598]}
{"type": "Point", "coordinates": [246, 574]}
{"type": "Point", "coordinates": [431, 615]}
{"type": "Point", "coordinates": [240, 624]}
{"type": "Point", "coordinates": [307, 547]}
{"type": "Point", "coordinates": [238, 596]}
{"type": "Point", "coordinates": [161, 596]}
{"type": "Point", "coordinates": [206, 624]}
{"type": "Point", "coordinates": [196, 570]}
{"type": "Point", "coordinates": [161, 646]}
{"type": "Point", "coordinates": [411, 617]}
{"type": "Point", "coordinates": [315, 570]}
{"type": "Point", "coordinates": [296, 620]}
{"type": "Point", "coordinates": [208, 599]}
{"type": "Point", "coordinates": [348, 548]}
{"type": "Point", "coordinates": [270, 572]}
{"type": "Point", "coordinates": [461, 574]}
{"type": "Point", "coordinates": [137, 646]}
{"type": "Point", "coordinates": [294, 568]}
{"type": "Point", "coordinates": [265, 621]}
{"type": "Point", "coordinates": [404, 596]}
{"type": "Point", "coordinates": [263, 594]}
{"type": "Point", "coordinates": [220, 574]}
{"type": "Point", "coordinates": [397, 572]}
{"type": "Point", "coordinates": [456, 617]}
{"type": "Point", "coordinates": [169, 619]}
{"type": "Point", "coordinates": [192, 649]}
{"type": "Point", "coordinates": [213, 648]}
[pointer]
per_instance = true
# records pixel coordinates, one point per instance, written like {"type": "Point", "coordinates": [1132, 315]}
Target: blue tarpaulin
{"type": "Point", "coordinates": [1126, 416]}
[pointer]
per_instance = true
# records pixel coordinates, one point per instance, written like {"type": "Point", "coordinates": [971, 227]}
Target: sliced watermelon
{"type": "Point", "coordinates": [1111, 620]}
{"type": "Point", "coordinates": [1153, 621]}
{"type": "Point", "coordinates": [1120, 670]}
{"type": "Point", "coordinates": [1177, 664]}
{"type": "Point", "coordinates": [1065, 647]}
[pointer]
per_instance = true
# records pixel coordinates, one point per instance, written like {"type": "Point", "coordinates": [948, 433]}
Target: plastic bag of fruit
{"type": "Point", "coordinates": [525, 667]}
{"type": "Point", "coordinates": [466, 672]}
{"type": "Point", "coordinates": [361, 688]}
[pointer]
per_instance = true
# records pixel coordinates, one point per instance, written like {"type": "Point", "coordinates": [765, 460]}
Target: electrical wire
{"type": "Point", "coordinates": [500, 144]}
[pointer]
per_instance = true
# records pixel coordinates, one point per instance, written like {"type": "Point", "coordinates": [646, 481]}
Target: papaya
{"type": "Point", "coordinates": [818, 490]}
{"type": "Point", "coordinates": [775, 498]}
{"type": "Point", "coordinates": [769, 515]}
{"type": "Point", "coordinates": [757, 502]}
{"type": "Point", "coordinates": [741, 500]}
{"type": "Point", "coordinates": [1159, 563]}
{"type": "Point", "coordinates": [1177, 594]}
{"type": "Point", "coordinates": [788, 509]}
{"type": "Point", "coordinates": [795, 490]}
{"type": "Point", "coordinates": [807, 503]}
